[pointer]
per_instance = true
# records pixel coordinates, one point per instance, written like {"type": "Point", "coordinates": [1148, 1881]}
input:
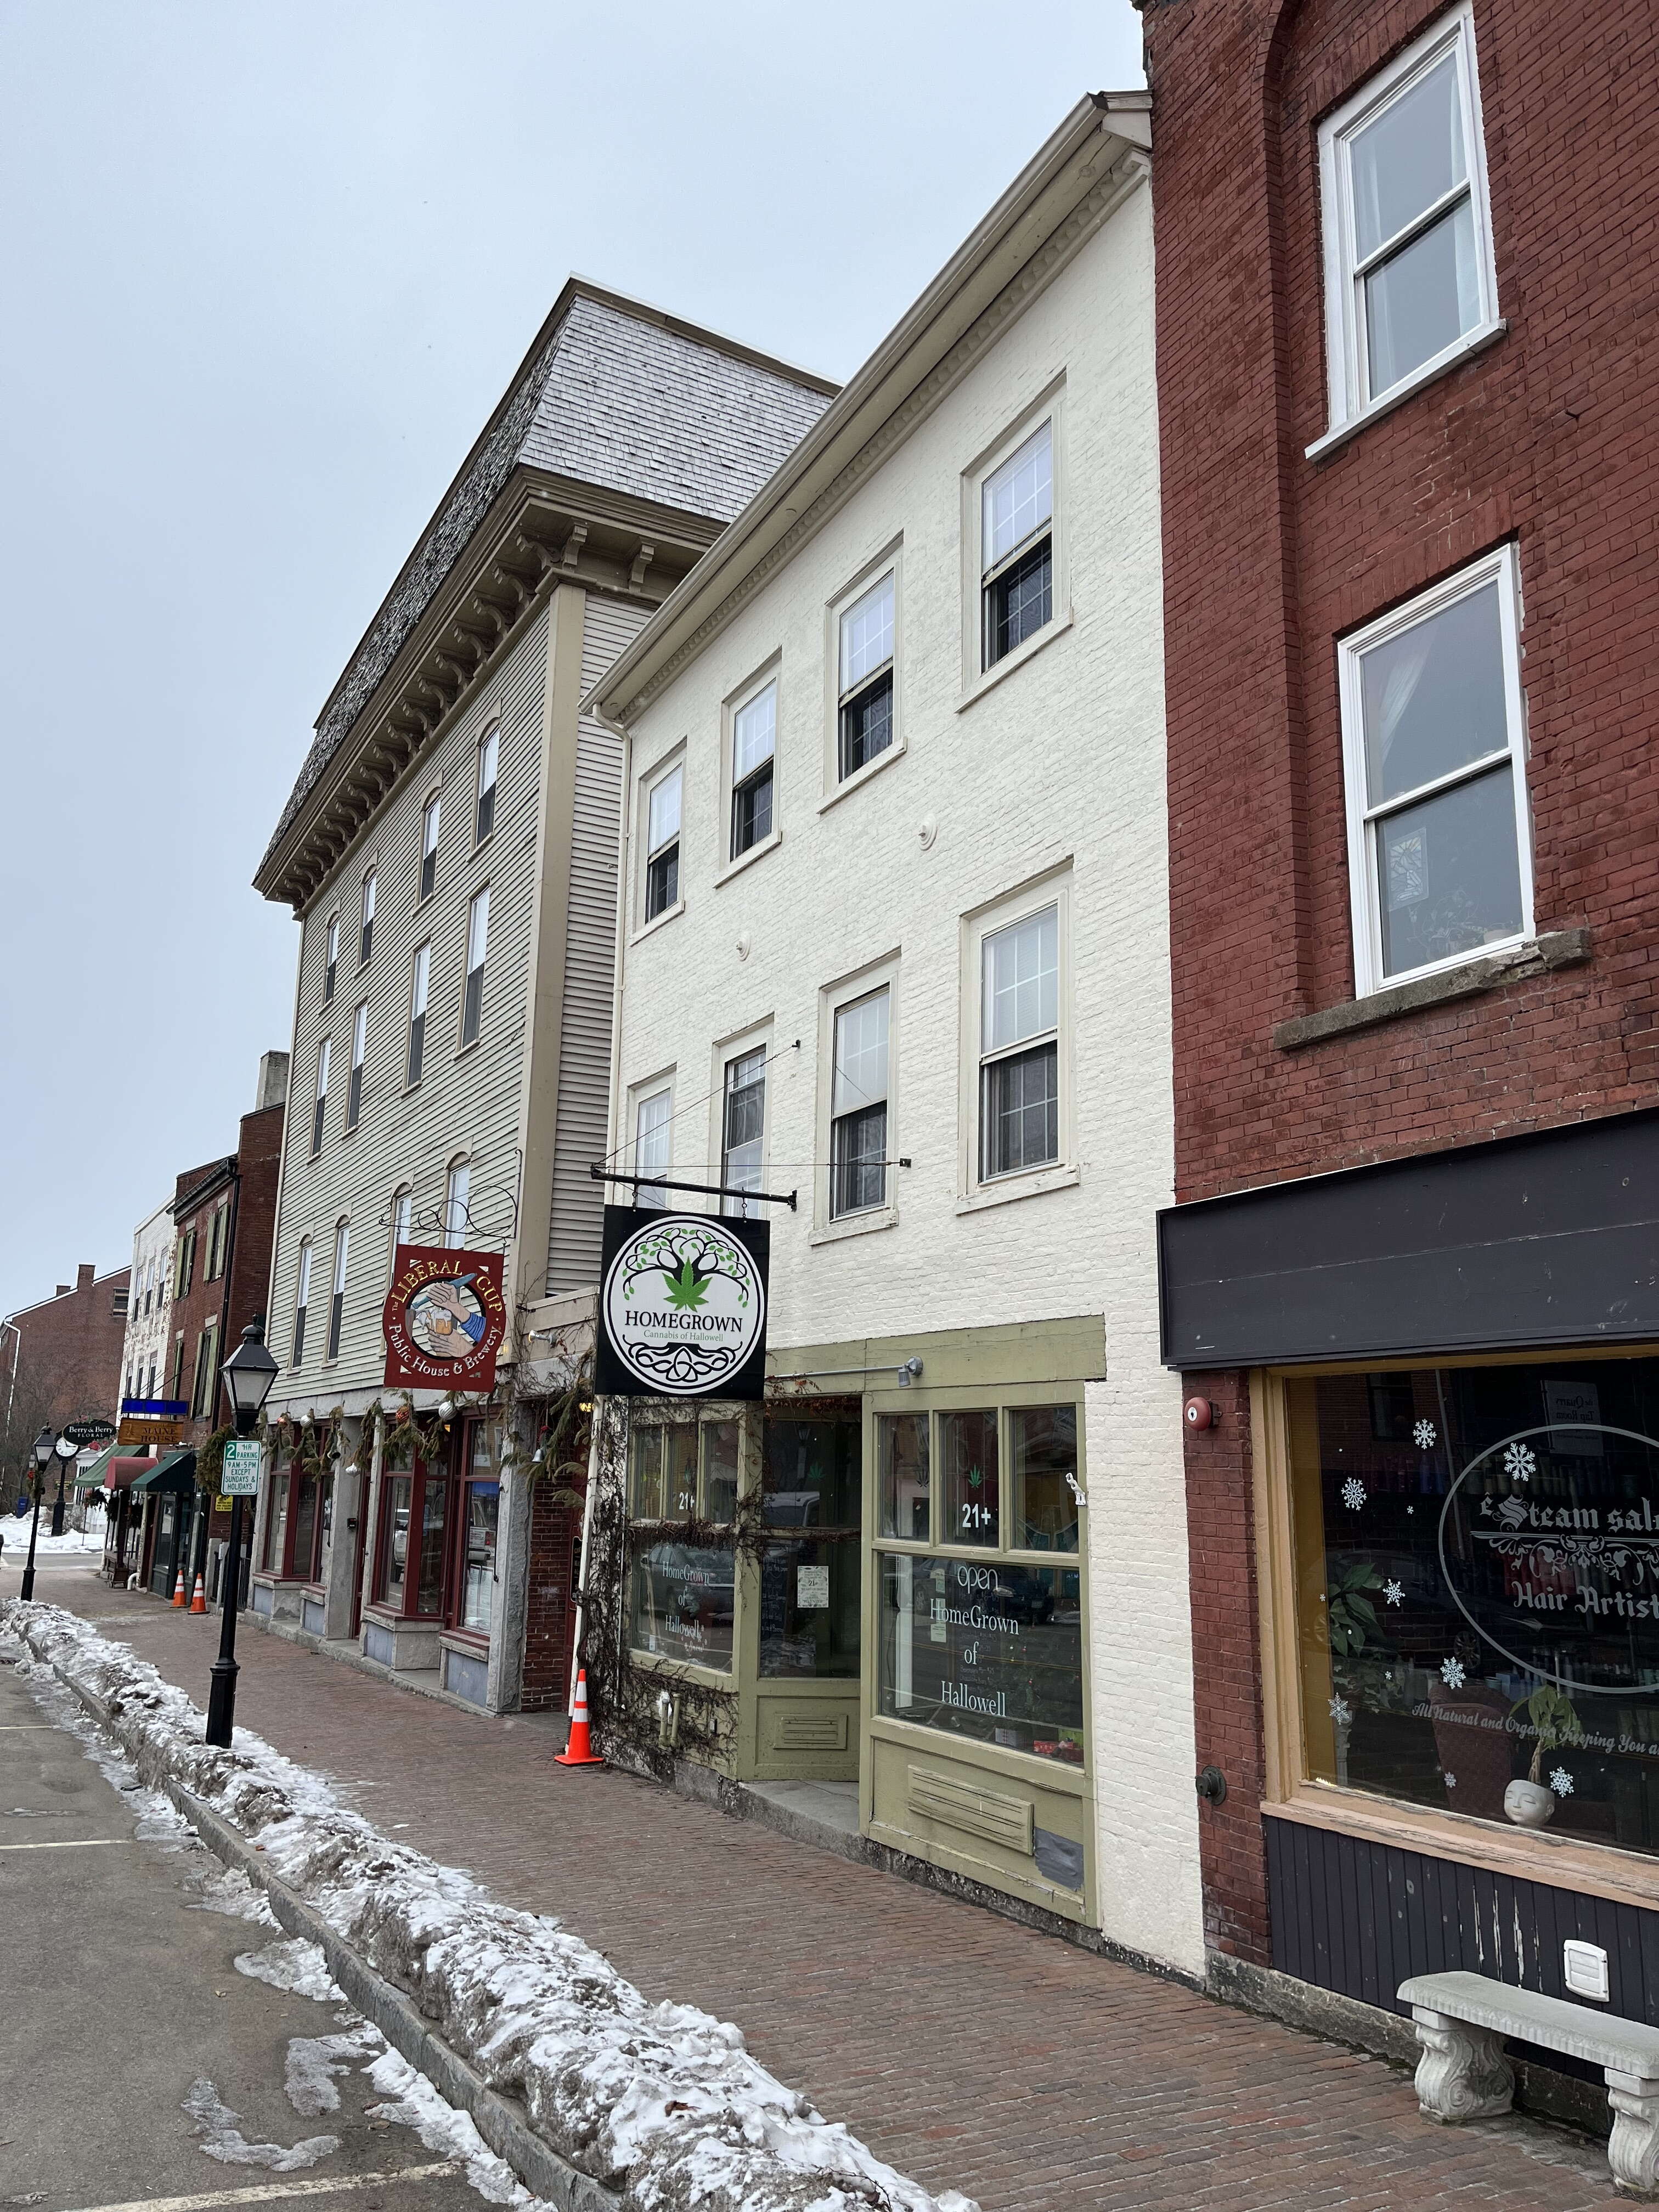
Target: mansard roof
{"type": "Point", "coordinates": [654, 412]}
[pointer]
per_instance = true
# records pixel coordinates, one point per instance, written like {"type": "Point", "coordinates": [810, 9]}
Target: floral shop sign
{"type": "Point", "coordinates": [682, 1305]}
{"type": "Point", "coordinates": [1549, 1544]}
{"type": "Point", "coordinates": [444, 1318]}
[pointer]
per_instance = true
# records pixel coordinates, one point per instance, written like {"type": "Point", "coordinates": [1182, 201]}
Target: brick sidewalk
{"type": "Point", "coordinates": [971, 2052]}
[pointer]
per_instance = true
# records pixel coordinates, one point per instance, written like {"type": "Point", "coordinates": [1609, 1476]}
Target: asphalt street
{"type": "Point", "coordinates": [132, 2049]}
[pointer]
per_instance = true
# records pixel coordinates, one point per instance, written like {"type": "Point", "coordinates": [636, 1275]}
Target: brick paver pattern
{"type": "Point", "coordinates": [971, 2052]}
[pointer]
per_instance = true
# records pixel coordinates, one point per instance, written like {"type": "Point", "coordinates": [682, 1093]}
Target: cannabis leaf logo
{"type": "Point", "coordinates": [687, 1290]}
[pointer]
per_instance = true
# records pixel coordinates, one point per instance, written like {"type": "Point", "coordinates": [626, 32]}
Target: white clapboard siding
{"type": "Point", "coordinates": [573, 1243]}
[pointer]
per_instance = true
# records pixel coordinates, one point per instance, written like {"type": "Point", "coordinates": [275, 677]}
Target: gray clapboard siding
{"type": "Point", "coordinates": [572, 1244]}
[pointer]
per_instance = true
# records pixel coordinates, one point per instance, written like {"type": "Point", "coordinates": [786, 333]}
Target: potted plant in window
{"type": "Point", "coordinates": [1528, 1802]}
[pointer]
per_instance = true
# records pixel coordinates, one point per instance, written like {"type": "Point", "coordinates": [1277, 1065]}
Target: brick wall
{"type": "Point", "coordinates": [68, 1353]}
{"type": "Point", "coordinates": [1547, 440]}
{"type": "Point", "coordinates": [549, 1609]}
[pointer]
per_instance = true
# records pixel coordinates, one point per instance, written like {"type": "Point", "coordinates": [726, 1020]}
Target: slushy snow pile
{"type": "Point", "coordinates": [660, 2102]}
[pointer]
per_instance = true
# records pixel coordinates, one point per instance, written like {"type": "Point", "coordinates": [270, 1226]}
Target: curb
{"type": "Point", "coordinates": [535, 2163]}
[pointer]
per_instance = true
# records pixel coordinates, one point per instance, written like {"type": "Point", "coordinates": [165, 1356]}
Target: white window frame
{"type": "Point", "coordinates": [882, 975]}
{"type": "Point", "coordinates": [432, 812]}
{"type": "Point", "coordinates": [457, 1186]}
{"type": "Point", "coordinates": [639, 1095]}
{"type": "Point", "coordinates": [1503, 565]}
{"type": "Point", "coordinates": [1352, 403]}
{"type": "Point", "coordinates": [403, 1202]}
{"type": "Point", "coordinates": [888, 562]}
{"type": "Point", "coordinates": [420, 989]}
{"type": "Point", "coordinates": [769, 676]}
{"type": "Point", "coordinates": [355, 1076]}
{"type": "Point", "coordinates": [319, 1099]}
{"type": "Point", "coordinates": [1053, 888]}
{"type": "Point", "coordinates": [331, 955]}
{"type": "Point", "coordinates": [491, 734]}
{"type": "Point", "coordinates": [470, 968]}
{"type": "Point", "coordinates": [368, 900]}
{"type": "Point", "coordinates": [335, 1322]}
{"type": "Point", "coordinates": [671, 763]}
{"type": "Point", "coordinates": [737, 1046]}
{"type": "Point", "coordinates": [1048, 406]}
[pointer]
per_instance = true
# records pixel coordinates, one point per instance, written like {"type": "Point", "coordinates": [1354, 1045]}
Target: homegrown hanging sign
{"type": "Point", "coordinates": [444, 1318]}
{"type": "Point", "coordinates": [682, 1305]}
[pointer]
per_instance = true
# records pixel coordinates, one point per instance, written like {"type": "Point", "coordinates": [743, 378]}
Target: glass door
{"type": "Point", "coordinates": [806, 1647]}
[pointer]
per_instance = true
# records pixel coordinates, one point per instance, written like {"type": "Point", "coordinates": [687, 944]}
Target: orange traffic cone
{"type": "Point", "coordinates": [579, 1751]}
{"type": "Point", "coordinates": [178, 1588]}
{"type": "Point", "coordinates": [198, 1603]}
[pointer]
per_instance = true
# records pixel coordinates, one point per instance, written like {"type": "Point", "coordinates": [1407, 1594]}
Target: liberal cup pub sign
{"type": "Point", "coordinates": [682, 1305]}
{"type": "Point", "coordinates": [444, 1319]}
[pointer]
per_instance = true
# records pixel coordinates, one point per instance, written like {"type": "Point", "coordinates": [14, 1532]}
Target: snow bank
{"type": "Point", "coordinates": [661, 2102]}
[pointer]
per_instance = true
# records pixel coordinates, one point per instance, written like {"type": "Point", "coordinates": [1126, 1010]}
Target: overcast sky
{"type": "Point", "coordinates": [265, 267]}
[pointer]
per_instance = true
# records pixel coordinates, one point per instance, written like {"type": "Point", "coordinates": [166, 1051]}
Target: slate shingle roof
{"type": "Point", "coordinates": [615, 400]}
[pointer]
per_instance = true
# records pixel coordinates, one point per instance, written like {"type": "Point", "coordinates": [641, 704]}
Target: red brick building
{"type": "Point", "coordinates": [1407, 330]}
{"type": "Point", "coordinates": [60, 1361]}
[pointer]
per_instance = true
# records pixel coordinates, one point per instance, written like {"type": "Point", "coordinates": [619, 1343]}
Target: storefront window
{"type": "Point", "coordinates": [394, 1538]}
{"type": "Point", "coordinates": [306, 1488]}
{"type": "Point", "coordinates": [435, 1507]}
{"type": "Point", "coordinates": [276, 1524]}
{"type": "Point", "coordinates": [683, 1475]}
{"type": "Point", "coordinates": [810, 1579]}
{"type": "Point", "coordinates": [479, 1521]}
{"type": "Point", "coordinates": [1477, 1565]}
{"type": "Point", "coordinates": [974, 1641]}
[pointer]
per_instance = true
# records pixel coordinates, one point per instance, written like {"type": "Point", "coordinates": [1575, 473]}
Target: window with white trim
{"type": "Point", "coordinates": [1019, 994]}
{"type": "Point", "coordinates": [754, 745]}
{"type": "Point", "coordinates": [653, 1117]}
{"type": "Point", "coordinates": [662, 844]}
{"type": "Point", "coordinates": [337, 1301]}
{"type": "Point", "coordinates": [743, 1128]}
{"type": "Point", "coordinates": [1017, 547]}
{"type": "Point", "coordinates": [477, 941]}
{"type": "Point", "coordinates": [858, 1105]}
{"type": "Point", "coordinates": [366, 936]}
{"type": "Point", "coordinates": [489, 759]}
{"type": "Point", "coordinates": [1433, 724]}
{"type": "Point", "coordinates": [320, 1107]}
{"type": "Point", "coordinates": [403, 1219]}
{"type": "Point", "coordinates": [864, 690]}
{"type": "Point", "coordinates": [430, 817]}
{"type": "Point", "coordinates": [420, 979]}
{"type": "Point", "coordinates": [1408, 259]}
{"type": "Point", "coordinates": [331, 957]}
{"type": "Point", "coordinates": [301, 1299]}
{"type": "Point", "coordinates": [359, 1052]}
{"type": "Point", "coordinates": [457, 1220]}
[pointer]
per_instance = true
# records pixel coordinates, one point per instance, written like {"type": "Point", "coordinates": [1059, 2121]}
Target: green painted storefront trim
{"type": "Point", "coordinates": [1070, 1350]}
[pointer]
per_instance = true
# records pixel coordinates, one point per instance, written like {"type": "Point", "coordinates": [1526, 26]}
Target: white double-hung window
{"type": "Point", "coordinates": [662, 844]}
{"type": "Point", "coordinates": [1440, 858]}
{"type": "Point", "coordinates": [742, 1129]}
{"type": "Point", "coordinates": [653, 1117]}
{"type": "Point", "coordinates": [864, 716]}
{"type": "Point", "coordinates": [858, 1106]}
{"type": "Point", "coordinates": [754, 743]}
{"type": "Point", "coordinates": [1019, 1073]}
{"type": "Point", "coordinates": [1409, 278]}
{"type": "Point", "coordinates": [1017, 555]}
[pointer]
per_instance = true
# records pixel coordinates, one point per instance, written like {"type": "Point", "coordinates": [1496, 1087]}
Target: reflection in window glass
{"type": "Point", "coordinates": [720, 1470]}
{"type": "Point", "coordinates": [1476, 1605]}
{"type": "Point", "coordinates": [1411, 156]}
{"type": "Point", "coordinates": [484, 1501]}
{"type": "Point", "coordinates": [1043, 1447]}
{"type": "Point", "coordinates": [809, 1626]}
{"type": "Point", "coordinates": [645, 1450]}
{"type": "Point", "coordinates": [277, 1522]}
{"type": "Point", "coordinates": [682, 1603]}
{"type": "Point", "coordinates": [971, 1508]}
{"type": "Point", "coordinates": [434, 1503]}
{"type": "Point", "coordinates": [680, 1474]}
{"type": "Point", "coordinates": [904, 1472]}
{"type": "Point", "coordinates": [394, 1522]}
{"type": "Point", "coordinates": [985, 1649]}
{"type": "Point", "coordinates": [813, 1473]}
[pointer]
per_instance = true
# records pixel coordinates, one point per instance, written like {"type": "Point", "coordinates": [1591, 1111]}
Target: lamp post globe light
{"type": "Point", "coordinates": [65, 1449]}
{"type": "Point", "coordinates": [247, 1375]}
{"type": "Point", "coordinates": [43, 1448]}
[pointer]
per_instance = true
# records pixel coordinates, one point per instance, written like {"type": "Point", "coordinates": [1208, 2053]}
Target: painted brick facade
{"type": "Point", "coordinates": [1545, 440]}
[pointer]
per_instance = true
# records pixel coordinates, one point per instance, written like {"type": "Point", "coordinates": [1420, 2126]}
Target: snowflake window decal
{"type": "Point", "coordinates": [1354, 1493]}
{"type": "Point", "coordinates": [1519, 1464]}
{"type": "Point", "coordinates": [1342, 1711]}
{"type": "Point", "coordinates": [1451, 1781]}
{"type": "Point", "coordinates": [1451, 1673]}
{"type": "Point", "coordinates": [1561, 1783]}
{"type": "Point", "coordinates": [1423, 1436]}
{"type": "Point", "coordinates": [1393, 1592]}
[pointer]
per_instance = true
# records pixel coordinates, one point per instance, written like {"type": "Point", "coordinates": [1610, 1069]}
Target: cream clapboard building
{"type": "Point", "coordinates": [894, 939]}
{"type": "Point", "coordinates": [450, 851]}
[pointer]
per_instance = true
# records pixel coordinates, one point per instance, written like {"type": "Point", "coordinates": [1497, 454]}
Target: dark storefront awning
{"type": "Point", "coordinates": [1545, 1239]}
{"type": "Point", "coordinates": [174, 1470]}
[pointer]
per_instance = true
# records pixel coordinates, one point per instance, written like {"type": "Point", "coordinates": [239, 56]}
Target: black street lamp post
{"type": "Point", "coordinates": [43, 1449]}
{"type": "Point", "coordinates": [65, 1451]}
{"type": "Point", "coordinates": [247, 1375]}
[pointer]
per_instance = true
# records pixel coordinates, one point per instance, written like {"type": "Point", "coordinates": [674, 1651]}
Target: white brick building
{"type": "Point", "coordinates": [894, 939]}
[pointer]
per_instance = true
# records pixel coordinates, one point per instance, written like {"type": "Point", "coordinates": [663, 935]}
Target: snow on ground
{"type": "Point", "coordinates": [660, 2101]}
{"type": "Point", "coordinates": [15, 1536]}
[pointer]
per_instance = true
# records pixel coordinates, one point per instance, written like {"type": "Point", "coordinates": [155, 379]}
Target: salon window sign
{"type": "Point", "coordinates": [682, 1305]}
{"type": "Point", "coordinates": [444, 1318]}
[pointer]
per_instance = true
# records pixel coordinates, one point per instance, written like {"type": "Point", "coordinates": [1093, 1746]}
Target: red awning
{"type": "Point", "coordinates": [122, 1473]}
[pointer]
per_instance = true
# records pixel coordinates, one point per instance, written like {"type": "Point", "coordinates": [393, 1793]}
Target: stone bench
{"type": "Point", "coordinates": [1463, 2075]}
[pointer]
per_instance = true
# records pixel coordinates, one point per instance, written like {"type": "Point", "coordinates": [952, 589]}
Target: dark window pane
{"type": "Point", "coordinates": [867, 724]}
{"type": "Point", "coordinates": [354, 1097]}
{"type": "Point", "coordinates": [417, 1046]}
{"type": "Point", "coordinates": [858, 1171]}
{"type": "Point", "coordinates": [1042, 1445]}
{"type": "Point", "coordinates": [336, 1313]}
{"type": "Point", "coordinates": [720, 1470]}
{"type": "Point", "coordinates": [486, 813]}
{"type": "Point", "coordinates": [298, 1336]}
{"type": "Point", "coordinates": [1018, 602]}
{"type": "Point", "coordinates": [662, 881]}
{"type": "Point", "coordinates": [304, 1524]}
{"type": "Point", "coordinates": [472, 1010]}
{"type": "Point", "coordinates": [428, 873]}
{"type": "Point", "coordinates": [813, 1473]}
{"type": "Point", "coordinates": [1450, 874]}
{"type": "Point", "coordinates": [809, 1605]}
{"type": "Point", "coordinates": [682, 1603]}
{"type": "Point", "coordinates": [328, 982]}
{"type": "Point", "coordinates": [970, 1501]}
{"type": "Point", "coordinates": [751, 811]}
{"type": "Point", "coordinates": [317, 1124]}
{"type": "Point", "coordinates": [645, 1455]}
{"type": "Point", "coordinates": [903, 1472]}
{"type": "Point", "coordinates": [435, 1507]}
{"type": "Point", "coordinates": [1432, 697]}
{"type": "Point", "coordinates": [1020, 1111]}
{"type": "Point", "coordinates": [985, 1649]}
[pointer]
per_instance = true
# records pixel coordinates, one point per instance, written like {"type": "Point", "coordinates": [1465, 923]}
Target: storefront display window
{"type": "Point", "coordinates": [1477, 1589]}
{"type": "Point", "coordinates": [429, 1582]}
{"type": "Point", "coordinates": [809, 1623]}
{"type": "Point", "coordinates": [397, 1492]}
{"type": "Point", "coordinates": [480, 1525]}
{"type": "Point", "coordinates": [307, 1529]}
{"type": "Point", "coordinates": [975, 1640]}
{"type": "Point", "coordinates": [276, 1545]}
{"type": "Point", "coordinates": [682, 1477]}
